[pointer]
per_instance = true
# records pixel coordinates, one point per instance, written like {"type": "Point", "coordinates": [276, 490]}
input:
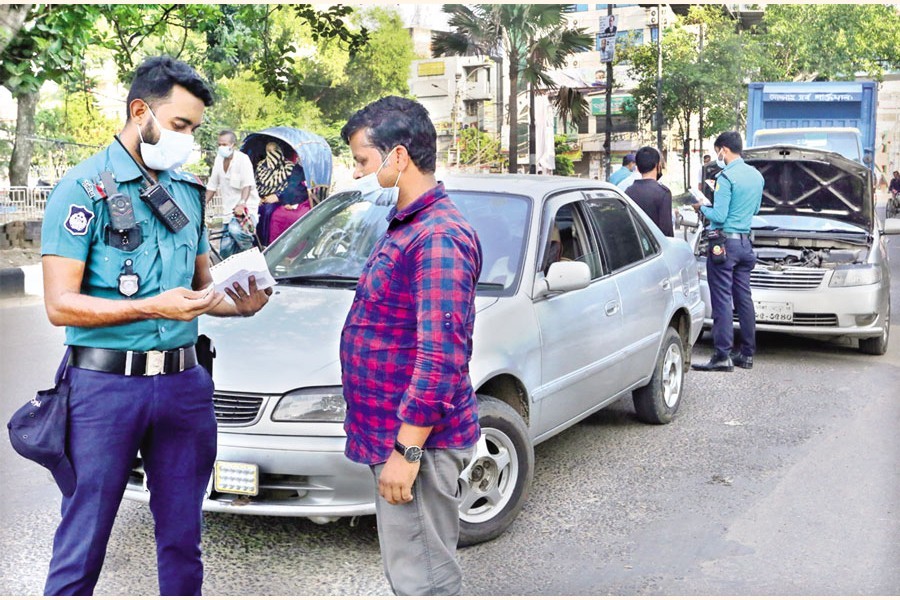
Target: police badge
{"type": "Point", "coordinates": [78, 220]}
{"type": "Point", "coordinates": [129, 281]}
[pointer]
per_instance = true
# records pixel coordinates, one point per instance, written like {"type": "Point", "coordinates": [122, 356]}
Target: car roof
{"type": "Point", "coordinates": [536, 186]}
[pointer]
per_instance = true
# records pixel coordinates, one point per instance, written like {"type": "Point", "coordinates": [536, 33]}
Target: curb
{"type": "Point", "coordinates": [12, 282]}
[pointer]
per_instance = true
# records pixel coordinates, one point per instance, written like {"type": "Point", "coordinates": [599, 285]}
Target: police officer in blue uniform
{"type": "Point", "coordinates": [128, 282]}
{"type": "Point", "coordinates": [730, 256]}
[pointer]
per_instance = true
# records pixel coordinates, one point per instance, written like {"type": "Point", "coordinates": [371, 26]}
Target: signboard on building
{"type": "Point", "coordinates": [618, 104]}
{"type": "Point", "coordinates": [432, 67]}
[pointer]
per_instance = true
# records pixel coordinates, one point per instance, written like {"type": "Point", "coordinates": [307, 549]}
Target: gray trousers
{"type": "Point", "coordinates": [418, 539]}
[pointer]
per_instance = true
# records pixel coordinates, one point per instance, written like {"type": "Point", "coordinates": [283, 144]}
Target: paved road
{"type": "Point", "coordinates": [781, 480]}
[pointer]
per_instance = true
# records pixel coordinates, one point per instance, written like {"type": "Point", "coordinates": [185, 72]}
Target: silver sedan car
{"type": "Point", "coordinates": [822, 269]}
{"type": "Point", "coordinates": [581, 301]}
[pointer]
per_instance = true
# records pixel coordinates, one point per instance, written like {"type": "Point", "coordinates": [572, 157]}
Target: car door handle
{"type": "Point", "coordinates": [612, 308]}
{"type": "Point", "coordinates": [666, 284]}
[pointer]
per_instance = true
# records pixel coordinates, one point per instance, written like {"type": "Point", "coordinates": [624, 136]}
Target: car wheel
{"type": "Point", "coordinates": [494, 484]}
{"type": "Point", "coordinates": [658, 401]}
{"type": "Point", "coordinates": [878, 345]}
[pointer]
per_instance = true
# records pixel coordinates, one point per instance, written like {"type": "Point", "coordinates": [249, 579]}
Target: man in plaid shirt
{"type": "Point", "coordinates": [405, 348]}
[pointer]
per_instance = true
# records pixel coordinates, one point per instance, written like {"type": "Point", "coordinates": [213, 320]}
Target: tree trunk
{"type": "Point", "coordinates": [12, 16]}
{"type": "Point", "coordinates": [513, 112]}
{"type": "Point", "coordinates": [20, 161]}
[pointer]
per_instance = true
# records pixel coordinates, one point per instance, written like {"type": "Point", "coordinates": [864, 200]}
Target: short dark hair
{"type": "Point", "coordinates": [705, 156]}
{"type": "Point", "coordinates": [394, 121]}
{"type": "Point", "coordinates": [731, 140]}
{"type": "Point", "coordinates": [647, 158]}
{"type": "Point", "coordinates": [154, 79]}
{"type": "Point", "coordinates": [229, 133]}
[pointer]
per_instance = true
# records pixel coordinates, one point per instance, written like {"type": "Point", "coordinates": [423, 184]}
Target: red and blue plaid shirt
{"type": "Point", "coordinates": [407, 341]}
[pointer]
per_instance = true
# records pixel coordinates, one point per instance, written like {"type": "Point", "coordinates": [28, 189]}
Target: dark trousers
{"type": "Point", "coordinates": [171, 420]}
{"type": "Point", "coordinates": [729, 290]}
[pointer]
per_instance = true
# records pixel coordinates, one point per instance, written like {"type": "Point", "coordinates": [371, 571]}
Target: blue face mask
{"type": "Point", "coordinates": [720, 162]}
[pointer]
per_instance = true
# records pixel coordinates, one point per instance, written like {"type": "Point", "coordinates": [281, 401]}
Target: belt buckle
{"type": "Point", "coordinates": [156, 362]}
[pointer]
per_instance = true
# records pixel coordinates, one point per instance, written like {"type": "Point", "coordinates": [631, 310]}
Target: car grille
{"type": "Point", "coordinates": [236, 409]}
{"type": "Point", "coordinates": [788, 279]}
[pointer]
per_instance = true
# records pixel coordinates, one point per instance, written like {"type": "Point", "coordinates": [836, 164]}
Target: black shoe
{"type": "Point", "coordinates": [739, 360]}
{"type": "Point", "coordinates": [716, 363]}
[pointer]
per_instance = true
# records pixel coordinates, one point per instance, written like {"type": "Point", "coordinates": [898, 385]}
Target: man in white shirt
{"type": "Point", "coordinates": [232, 177]}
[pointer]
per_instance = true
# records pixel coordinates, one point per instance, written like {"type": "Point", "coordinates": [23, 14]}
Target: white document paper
{"type": "Point", "coordinates": [239, 267]}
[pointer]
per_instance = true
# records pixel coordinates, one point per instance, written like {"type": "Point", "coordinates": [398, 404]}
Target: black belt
{"type": "Point", "coordinates": [737, 236]}
{"type": "Point", "coordinates": [129, 362]}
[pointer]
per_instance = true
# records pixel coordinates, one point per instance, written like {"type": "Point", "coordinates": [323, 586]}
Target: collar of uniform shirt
{"type": "Point", "coordinates": [423, 201]}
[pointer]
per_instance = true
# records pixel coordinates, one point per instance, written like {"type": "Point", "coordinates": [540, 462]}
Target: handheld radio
{"type": "Point", "coordinates": [161, 203]}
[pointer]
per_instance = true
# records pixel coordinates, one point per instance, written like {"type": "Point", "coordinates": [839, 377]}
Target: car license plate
{"type": "Point", "coordinates": [774, 312]}
{"type": "Point", "coordinates": [237, 478]}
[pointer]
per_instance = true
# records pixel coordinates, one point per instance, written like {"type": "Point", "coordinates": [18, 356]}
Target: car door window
{"type": "Point", "coordinates": [649, 245]}
{"type": "Point", "coordinates": [569, 239]}
{"type": "Point", "coordinates": [619, 238]}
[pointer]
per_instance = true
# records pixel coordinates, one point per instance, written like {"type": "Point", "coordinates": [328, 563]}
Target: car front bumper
{"type": "Point", "coordinates": [856, 312]}
{"type": "Point", "coordinates": [298, 477]}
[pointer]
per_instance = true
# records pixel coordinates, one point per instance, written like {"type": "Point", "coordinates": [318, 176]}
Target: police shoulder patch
{"type": "Point", "coordinates": [78, 220]}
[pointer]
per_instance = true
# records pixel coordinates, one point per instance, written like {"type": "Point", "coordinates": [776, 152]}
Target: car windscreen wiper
{"type": "Point", "coordinates": [326, 279]}
{"type": "Point", "coordinates": [487, 285]}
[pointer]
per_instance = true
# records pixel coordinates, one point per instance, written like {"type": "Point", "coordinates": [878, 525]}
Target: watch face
{"type": "Point", "coordinates": [413, 454]}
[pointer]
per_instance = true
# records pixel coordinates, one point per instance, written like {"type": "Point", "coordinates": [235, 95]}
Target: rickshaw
{"type": "Point", "coordinates": [308, 150]}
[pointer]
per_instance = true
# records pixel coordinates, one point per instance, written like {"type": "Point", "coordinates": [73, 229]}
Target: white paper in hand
{"type": "Point", "coordinates": [239, 267]}
{"type": "Point", "coordinates": [699, 197]}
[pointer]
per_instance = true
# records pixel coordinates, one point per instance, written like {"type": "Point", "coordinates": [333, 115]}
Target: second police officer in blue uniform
{"type": "Point", "coordinates": [730, 258]}
{"type": "Point", "coordinates": [128, 278]}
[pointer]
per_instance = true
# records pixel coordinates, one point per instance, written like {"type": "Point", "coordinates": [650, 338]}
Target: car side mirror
{"type": "Point", "coordinates": [563, 276]}
{"type": "Point", "coordinates": [891, 227]}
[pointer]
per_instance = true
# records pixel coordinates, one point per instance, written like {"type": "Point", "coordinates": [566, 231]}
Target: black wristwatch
{"type": "Point", "coordinates": [412, 454]}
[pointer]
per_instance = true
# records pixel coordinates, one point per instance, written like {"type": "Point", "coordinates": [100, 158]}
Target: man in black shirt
{"type": "Point", "coordinates": [654, 198]}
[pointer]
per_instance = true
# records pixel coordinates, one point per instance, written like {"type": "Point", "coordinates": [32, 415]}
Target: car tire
{"type": "Point", "coordinates": [658, 401]}
{"type": "Point", "coordinates": [495, 483]}
{"type": "Point", "coordinates": [877, 346]}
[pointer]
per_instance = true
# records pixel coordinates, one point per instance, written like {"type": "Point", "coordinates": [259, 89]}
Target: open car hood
{"type": "Point", "coordinates": [813, 183]}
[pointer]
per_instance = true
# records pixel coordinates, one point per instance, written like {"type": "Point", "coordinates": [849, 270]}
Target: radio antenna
{"type": "Point", "coordinates": [143, 171]}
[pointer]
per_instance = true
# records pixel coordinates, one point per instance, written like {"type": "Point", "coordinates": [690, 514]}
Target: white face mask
{"type": "Point", "coordinates": [171, 151]}
{"type": "Point", "coordinates": [372, 191]}
{"type": "Point", "coordinates": [226, 151]}
{"type": "Point", "coordinates": [720, 162]}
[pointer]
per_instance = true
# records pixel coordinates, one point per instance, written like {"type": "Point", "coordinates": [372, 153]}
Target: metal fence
{"type": "Point", "coordinates": [20, 203]}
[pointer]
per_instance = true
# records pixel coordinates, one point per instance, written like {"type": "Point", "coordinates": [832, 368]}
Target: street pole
{"type": "Point", "coordinates": [607, 142]}
{"type": "Point", "coordinates": [659, 32]}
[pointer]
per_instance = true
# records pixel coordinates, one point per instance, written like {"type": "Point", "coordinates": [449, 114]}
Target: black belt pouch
{"type": "Point", "coordinates": [206, 352]}
{"type": "Point", "coordinates": [716, 246]}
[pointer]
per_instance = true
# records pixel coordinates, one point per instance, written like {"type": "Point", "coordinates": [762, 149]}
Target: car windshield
{"type": "Point", "coordinates": [331, 244]}
{"type": "Point", "coordinates": [844, 143]}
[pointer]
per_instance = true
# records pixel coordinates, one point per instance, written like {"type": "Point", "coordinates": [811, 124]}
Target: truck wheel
{"type": "Point", "coordinates": [494, 485]}
{"type": "Point", "coordinates": [877, 346]}
{"type": "Point", "coordinates": [657, 402]}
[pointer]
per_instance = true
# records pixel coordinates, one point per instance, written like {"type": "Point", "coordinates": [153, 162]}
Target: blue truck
{"type": "Point", "coordinates": [830, 115]}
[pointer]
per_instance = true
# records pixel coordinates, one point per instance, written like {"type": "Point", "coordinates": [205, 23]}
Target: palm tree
{"type": "Point", "coordinates": [534, 38]}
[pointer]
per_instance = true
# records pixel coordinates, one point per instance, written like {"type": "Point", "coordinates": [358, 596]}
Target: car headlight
{"type": "Point", "coordinates": [313, 404]}
{"type": "Point", "coordinates": [852, 275]}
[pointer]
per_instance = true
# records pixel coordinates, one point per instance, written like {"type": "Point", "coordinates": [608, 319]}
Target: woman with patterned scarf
{"type": "Point", "coordinates": [281, 188]}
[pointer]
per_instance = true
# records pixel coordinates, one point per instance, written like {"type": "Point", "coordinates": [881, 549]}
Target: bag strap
{"type": "Point", "coordinates": [63, 366]}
